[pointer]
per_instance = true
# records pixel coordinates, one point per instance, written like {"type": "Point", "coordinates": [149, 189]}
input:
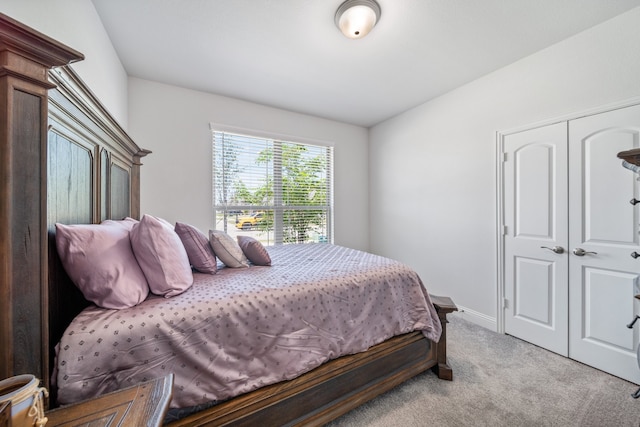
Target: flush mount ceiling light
{"type": "Point", "coordinates": [356, 18]}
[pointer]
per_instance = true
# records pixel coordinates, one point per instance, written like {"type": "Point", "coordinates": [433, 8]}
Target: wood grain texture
{"type": "Point", "coordinates": [25, 58]}
{"type": "Point", "coordinates": [26, 250]}
{"type": "Point", "coordinates": [144, 404]}
{"type": "Point", "coordinates": [120, 192]}
{"type": "Point", "coordinates": [5, 414]}
{"type": "Point", "coordinates": [444, 306]}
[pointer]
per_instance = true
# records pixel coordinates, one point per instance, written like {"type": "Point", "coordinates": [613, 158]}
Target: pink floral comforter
{"type": "Point", "coordinates": [242, 329]}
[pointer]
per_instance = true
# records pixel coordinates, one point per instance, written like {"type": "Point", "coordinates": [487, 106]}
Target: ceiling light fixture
{"type": "Point", "coordinates": [356, 18]}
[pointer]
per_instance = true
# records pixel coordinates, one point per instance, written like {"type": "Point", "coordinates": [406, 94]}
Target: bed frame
{"type": "Point", "coordinates": [64, 159]}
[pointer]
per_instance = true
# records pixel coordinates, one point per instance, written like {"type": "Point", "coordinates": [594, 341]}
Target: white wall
{"type": "Point", "coordinates": [176, 178]}
{"type": "Point", "coordinates": [174, 123]}
{"type": "Point", "coordinates": [77, 24]}
{"type": "Point", "coordinates": [433, 169]}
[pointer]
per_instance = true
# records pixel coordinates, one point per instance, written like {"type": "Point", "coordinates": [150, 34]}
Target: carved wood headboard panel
{"type": "Point", "coordinates": [93, 174]}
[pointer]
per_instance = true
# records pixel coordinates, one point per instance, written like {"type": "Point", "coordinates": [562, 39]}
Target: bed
{"type": "Point", "coordinates": [92, 173]}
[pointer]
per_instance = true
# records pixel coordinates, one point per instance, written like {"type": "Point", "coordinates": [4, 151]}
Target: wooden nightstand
{"type": "Point", "coordinates": [5, 414]}
{"type": "Point", "coordinates": [144, 404]}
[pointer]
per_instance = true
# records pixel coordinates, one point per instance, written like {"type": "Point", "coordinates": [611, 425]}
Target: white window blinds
{"type": "Point", "coordinates": [275, 191]}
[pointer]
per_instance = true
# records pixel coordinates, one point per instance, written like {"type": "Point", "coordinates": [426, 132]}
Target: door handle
{"type": "Point", "coordinates": [556, 249]}
{"type": "Point", "coordinates": [582, 252]}
{"type": "Point", "coordinates": [634, 201]}
{"type": "Point", "coordinates": [635, 255]}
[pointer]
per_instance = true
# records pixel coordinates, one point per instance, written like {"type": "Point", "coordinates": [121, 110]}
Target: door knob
{"type": "Point", "coordinates": [634, 201]}
{"type": "Point", "coordinates": [556, 249]}
{"type": "Point", "coordinates": [635, 255]}
{"type": "Point", "coordinates": [582, 252]}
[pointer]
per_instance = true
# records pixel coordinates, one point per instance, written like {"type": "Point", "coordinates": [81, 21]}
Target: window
{"type": "Point", "coordinates": [276, 191]}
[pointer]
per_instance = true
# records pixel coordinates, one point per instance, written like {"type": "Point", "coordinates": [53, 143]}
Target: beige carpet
{"type": "Point", "coordinates": [499, 380]}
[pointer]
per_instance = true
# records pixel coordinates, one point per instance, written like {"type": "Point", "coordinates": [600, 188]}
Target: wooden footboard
{"type": "Point", "coordinates": [336, 387]}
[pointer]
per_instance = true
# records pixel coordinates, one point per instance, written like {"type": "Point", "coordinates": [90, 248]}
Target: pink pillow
{"type": "Point", "coordinates": [254, 250]}
{"type": "Point", "coordinates": [199, 251]}
{"type": "Point", "coordinates": [99, 260]}
{"type": "Point", "coordinates": [161, 256]}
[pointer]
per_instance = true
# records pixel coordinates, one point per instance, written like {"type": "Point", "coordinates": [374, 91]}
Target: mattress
{"type": "Point", "coordinates": [244, 328]}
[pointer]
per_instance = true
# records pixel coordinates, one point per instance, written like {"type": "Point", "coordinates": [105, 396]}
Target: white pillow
{"type": "Point", "coordinates": [227, 250]}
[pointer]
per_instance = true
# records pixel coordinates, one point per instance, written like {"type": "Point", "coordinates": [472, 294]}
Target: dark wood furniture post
{"type": "Point", "coordinates": [135, 178]}
{"type": "Point", "coordinates": [25, 59]}
{"type": "Point", "coordinates": [444, 306]}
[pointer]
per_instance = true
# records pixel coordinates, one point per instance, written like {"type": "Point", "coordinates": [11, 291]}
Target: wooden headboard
{"type": "Point", "coordinates": [63, 158]}
{"type": "Point", "coordinates": [93, 174]}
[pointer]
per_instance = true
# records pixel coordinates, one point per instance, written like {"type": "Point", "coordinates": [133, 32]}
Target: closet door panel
{"type": "Point", "coordinates": [608, 216]}
{"type": "Point", "coordinates": [535, 212]}
{"type": "Point", "coordinates": [603, 233]}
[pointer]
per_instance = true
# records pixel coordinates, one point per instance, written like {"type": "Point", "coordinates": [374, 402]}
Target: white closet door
{"type": "Point", "coordinates": [602, 223]}
{"type": "Point", "coordinates": [535, 257]}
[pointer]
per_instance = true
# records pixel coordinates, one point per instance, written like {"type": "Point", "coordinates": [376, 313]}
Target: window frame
{"type": "Point", "coordinates": [278, 207]}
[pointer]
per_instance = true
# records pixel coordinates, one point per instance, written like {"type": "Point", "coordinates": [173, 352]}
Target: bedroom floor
{"type": "Point", "coordinates": [500, 380]}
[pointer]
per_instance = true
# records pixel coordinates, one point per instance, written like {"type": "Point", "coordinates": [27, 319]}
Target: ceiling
{"type": "Point", "coordinates": [289, 54]}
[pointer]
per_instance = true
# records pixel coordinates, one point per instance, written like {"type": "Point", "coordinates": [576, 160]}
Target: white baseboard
{"type": "Point", "coordinates": [475, 317]}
